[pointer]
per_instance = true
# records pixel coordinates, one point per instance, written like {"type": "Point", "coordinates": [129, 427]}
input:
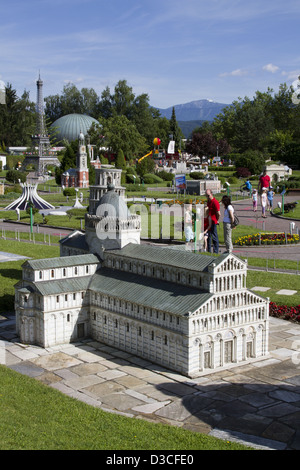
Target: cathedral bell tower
{"type": "Point", "coordinates": [81, 164]}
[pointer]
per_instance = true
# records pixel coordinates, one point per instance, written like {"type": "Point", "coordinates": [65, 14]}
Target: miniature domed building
{"type": "Point", "coordinates": [69, 127]}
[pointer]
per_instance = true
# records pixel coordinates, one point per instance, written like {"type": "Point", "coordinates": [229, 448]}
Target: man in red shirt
{"type": "Point", "coordinates": [264, 181]}
{"type": "Point", "coordinates": [214, 213]}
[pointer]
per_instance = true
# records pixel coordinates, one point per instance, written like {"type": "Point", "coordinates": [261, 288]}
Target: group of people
{"type": "Point", "coordinates": [266, 194]}
{"type": "Point", "coordinates": [212, 215]}
{"type": "Point", "coordinates": [211, 220]}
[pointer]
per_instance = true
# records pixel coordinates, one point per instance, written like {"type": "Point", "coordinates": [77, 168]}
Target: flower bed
{"type": "Point", "coordinates": [267, 239]}
{"type": "Point", "coordinates": [284, 312]}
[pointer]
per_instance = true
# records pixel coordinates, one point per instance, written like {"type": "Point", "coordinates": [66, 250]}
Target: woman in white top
{"type": "Point", "coordinates": [227, 222]}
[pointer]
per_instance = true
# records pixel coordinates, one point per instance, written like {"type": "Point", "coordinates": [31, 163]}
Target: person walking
{"type": "Point", "coordinates": [207, 227]}
{"type": "Point", "coordinates": [228, 221]}
{"type": "Point", "coordinates": [270, 195]}
{"type": "Point", "coordinates": [264, 181]}
{"type": "Point", "coordinates": [188, 224]}
{"type": "Point", "coordinates": [264, 202]}
{"type": "Point", "coordinates": [214, 213]}
{"type": "Point", "coordinates": [254, 200]}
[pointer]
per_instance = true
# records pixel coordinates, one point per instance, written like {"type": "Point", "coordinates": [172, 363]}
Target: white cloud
{"type": "Point", "coordinates": [270, 68]}
{"type": "Point", "coordinates": [234, 73]}
{"type": "Point", "coordinates": [292, 75]}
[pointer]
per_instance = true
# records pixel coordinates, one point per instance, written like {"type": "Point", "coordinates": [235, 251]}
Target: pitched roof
{"type": "Point", "coordinates": [63, 286]}
{"type": "Point", "coordinates": [61, 262]}
{"type": "Point", "coordinates": [149, 292]}
{"type": "Point", "coordinates": [179, 258]}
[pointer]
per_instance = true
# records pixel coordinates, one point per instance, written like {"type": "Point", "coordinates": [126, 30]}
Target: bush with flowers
{"type": "Point", "coordinates": [267, 239]}
{"type": "Point", "coordinates": [285, 312]}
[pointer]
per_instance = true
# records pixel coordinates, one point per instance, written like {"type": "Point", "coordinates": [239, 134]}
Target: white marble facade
{"type": "Point", "coordinates": [152, 302]}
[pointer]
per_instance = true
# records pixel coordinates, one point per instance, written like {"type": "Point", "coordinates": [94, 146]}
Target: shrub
{"type": "Point", "coordinates": [197, 175]}
{"type": "Point", "coordinates": [285, 312]}
{"type": "Point", "coordinates": [69, 192]}
{"type": "Point", "coordinates": [233, 180]}
{"type": "Point", "coordinates": [14, 175]}
{"type": "Point", "coordinates": [131, 180]}
{"type": "Point", "coordinates": [152, 179]}
{"type": "Point", "coordinates": [242, 172]}
{"type": "Point", "coordinates": [165, 175]}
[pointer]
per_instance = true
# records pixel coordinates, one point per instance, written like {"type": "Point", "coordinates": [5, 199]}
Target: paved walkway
{"type": "Point", "coordinates": [257, 404]}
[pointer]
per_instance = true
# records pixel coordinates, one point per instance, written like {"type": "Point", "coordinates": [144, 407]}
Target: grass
{"type": "Point", "coordinates": [73, 220]}
{"type": "Point", "coordinates": [276, 282]}
{"type": "Point", "coordinates": [11, 271]}
{"type": "Point", "coordinates": [293, 214]}
{"type": "Point", "coordinates": [37, 417]}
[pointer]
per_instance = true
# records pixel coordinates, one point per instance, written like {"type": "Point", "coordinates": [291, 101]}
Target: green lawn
{"type": "Point", "coordinates": [276, 282]}
{"type": "Point", "coordinates": [37, 417]}
{"type": "Point", "coordinates": [293, 214]}
{"type": "Point", "coordinates": [11, 271]}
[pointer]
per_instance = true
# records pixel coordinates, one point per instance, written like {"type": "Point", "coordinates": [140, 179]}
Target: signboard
{"type": "Point", "coordinates": [180, 182]}
{"type": "Point", "coordinates": [171, 146]}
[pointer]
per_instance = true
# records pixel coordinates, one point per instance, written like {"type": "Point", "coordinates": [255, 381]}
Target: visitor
{"type": "Point", "coordinates": [207, 226]}
{"type": "Point", "coordinates": [270, 195]}
{"type": "Point", "coordinates": [188, 224]}
{"type": "Point", "coordinates": [228, 221]}
{"type": "Point", "coordinates": [263, 202]}
{"type": "Point", "coordinates": [248, 186]}
{"type": "Point", "coordinates": [214, 213]}
{"type": "Point", "coordinates": [264, 181]}
{"type": "Point", "coordinates": [254, 200]}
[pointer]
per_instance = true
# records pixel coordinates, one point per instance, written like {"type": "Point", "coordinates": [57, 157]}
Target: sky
{"type": "Point", "coordinates": [175, 51]}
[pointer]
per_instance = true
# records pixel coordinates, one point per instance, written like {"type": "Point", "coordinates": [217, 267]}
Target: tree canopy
{"type": "Point", "coordinates": [268, 124]}
{"type": "Point", "coordinates": [17, 119]}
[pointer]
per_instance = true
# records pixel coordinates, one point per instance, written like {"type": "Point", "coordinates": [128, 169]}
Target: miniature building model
{"type": "Point", "coordinates": [189, 312]}
{"type": "Point", "coordinates": [78, 177]}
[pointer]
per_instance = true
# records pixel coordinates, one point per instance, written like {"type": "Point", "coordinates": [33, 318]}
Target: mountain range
{"type": "Point", "coordinates": [191, 115]}
{"type": "Point", "coordinates": [204, 110]}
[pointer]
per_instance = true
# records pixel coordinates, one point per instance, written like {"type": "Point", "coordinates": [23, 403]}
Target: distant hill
{"type": "Point", "coordinates": [203, 110]}
{"type": "Point", "coordinates": [187, 127]}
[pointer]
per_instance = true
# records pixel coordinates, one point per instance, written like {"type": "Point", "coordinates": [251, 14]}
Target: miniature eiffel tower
{"type": "Point", "coordinates": [41, 138]}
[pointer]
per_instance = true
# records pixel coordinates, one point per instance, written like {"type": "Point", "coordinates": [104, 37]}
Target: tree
{"type": "Point", "coordinates": [204, 144]}
{"type": "Point", "coordinates": [118, 133]}
{"type": "Point", "coordinates": [13, 176]}
{"type": "Point", "coordinates": [146, 166]}
{"type": "Point", "coordinates": [17, 119]}
{"type": "Point", "coordinates": [68, 161]}
{"type": "Point", "coordinates": [175, 130]}
{"type": "Point", "coordinates": [72, 101]}
{"type": "Point", "coordinates": [120, 160]}
{"type": "Point", "coordinates": [253, 160]}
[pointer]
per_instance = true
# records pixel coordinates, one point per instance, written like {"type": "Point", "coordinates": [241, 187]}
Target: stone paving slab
{"type": "Point", "coordinates": [253, 402]}
{"type": "Point", "coordinates": [286, 292]}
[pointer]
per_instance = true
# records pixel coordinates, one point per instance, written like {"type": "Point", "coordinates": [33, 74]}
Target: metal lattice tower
{"type": "Point", "coordinates": [40, 124]}
{"type": "Point", "coordinates": [40, 139]}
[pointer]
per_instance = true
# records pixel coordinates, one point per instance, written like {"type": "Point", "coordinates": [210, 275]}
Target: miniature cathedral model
{"type": "Point", "coordinates": [188, 312]}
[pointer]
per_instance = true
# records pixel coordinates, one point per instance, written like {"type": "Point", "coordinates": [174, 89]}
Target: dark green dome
{"type": "Point", "coordinates": [70, 126]}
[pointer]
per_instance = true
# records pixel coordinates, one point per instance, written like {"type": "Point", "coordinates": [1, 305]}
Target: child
{"type": "Point", "coordinates": [264, 202]}
{"type": "Point", "coordinates": [207, 226]}
{"type": "Point", "coordinates": [254, 200]}
{"type": "Point", "coordinates": [188, 224]}
{"type": "Point", "coordinates": [270, 196]}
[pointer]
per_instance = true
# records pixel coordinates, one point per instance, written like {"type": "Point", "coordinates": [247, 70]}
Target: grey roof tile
{"type": "Point", "coordinates": [63, 261]}
{"type": "Point", "coordinates": [165, 256]}
{"type": "Point", "coordinates": [149, 292]}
